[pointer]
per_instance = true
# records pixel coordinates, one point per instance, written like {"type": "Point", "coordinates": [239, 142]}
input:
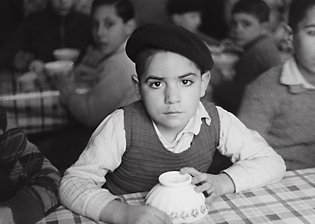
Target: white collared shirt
{"type": "Point", "coordinates": [185, 137]}
{"type": "Point", "coordinates": [255, 162]}
{"type": "Point", "coordinates": [292, 76]}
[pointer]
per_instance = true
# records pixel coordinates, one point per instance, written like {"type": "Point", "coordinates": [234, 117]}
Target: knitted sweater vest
{"type": "Point", "coordinates": [146, 157]}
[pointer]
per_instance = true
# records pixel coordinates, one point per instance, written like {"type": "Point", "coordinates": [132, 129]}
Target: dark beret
{"type": "Point", "coordinates": [169, 38]}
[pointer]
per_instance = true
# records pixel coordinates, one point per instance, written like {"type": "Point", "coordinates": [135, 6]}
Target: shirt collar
{"type": "Point", "coordinates": [292, 77]}
{"type": "Point", "coordinates": [194, 124]}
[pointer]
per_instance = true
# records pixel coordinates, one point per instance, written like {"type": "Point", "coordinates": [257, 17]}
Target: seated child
{"type": "Point", "coordinates": [249, 24]}
{"type": "Point", "coordinates": [280, 104]}
{"type": "Point", "coordinates": [106, 67]}
{"type": "Point", "coordinates": [29, 183]}
{"type": "Point", "coordinates": [169, 128]}
{"type": "Point", "coordinates": [40, 33]}
{"type": "Point", "coordinates": [188, 14]}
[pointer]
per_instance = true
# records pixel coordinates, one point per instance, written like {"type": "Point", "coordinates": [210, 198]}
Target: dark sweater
{"type": "Point", "coordinates": [42, 32]}
{"type": "Point", "coordinates": [146, 157]}
{"type": "Point", "coordinates": [259, 56]}
{"type": "Point", "coordinates": [28, 182]}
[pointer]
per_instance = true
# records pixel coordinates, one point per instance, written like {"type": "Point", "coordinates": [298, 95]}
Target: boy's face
{"type": "Point", "coordinates": [109, 30]}
{"type": "Point", "coordinates": [245, 28]}
{"type": "Point", "coordinates": [62, 7]}
{"type": "Point", "coordinates": [304, 44]}
{"type": "Point", "coordinates": [171, 89]}
{"type": "Point", "coordinates": [189, 20]}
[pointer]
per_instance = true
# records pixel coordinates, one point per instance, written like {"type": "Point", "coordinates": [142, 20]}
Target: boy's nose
{"type": "Point", "coordinates": [100, 31]}
{"type": "Point", "coordinates": [172, 95]}
{"type": "Point", "coordinates": [238, 27]}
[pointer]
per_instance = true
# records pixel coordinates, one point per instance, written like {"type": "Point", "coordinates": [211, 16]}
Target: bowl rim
{"type": "Point", "coordinates": [72, 50]}
{"type": "Point", "coordinates": [64, 62]}
{"type": "Point", "coordinates": [179, 179]}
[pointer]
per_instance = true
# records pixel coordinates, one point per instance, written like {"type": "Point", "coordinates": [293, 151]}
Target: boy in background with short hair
{"type": "Point", "coordinates": [169, 128]}
{"type": "Point", "coordinates": [188, 14]}
{"type": "Point", "coordinates": [249, 30]}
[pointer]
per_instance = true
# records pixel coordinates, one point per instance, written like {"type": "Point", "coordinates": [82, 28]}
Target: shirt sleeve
{"type": "Point", "coordinates": [255, 163]}
{"type": "Point", "coordinates": [112, 90]}
{"type": "Point", "coordinates": [38, 178]}
{"type": "Point", "coordinates": [81, 187]}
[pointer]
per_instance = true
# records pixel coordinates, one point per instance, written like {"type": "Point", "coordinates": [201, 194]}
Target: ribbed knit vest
{"type": "Point", "coordinates": [146, 158]}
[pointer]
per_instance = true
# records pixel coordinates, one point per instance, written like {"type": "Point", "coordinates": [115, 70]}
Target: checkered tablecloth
{"type": "Point", "coordinates": [35, 112]}
{"type": "Point", "coordinates": [290, 201]}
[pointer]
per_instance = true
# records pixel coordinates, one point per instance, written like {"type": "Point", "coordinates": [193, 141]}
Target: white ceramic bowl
{"type": "Point", "coordinates": [58, 67]}
{"type": "Point", "coordinates": [175, 195]}
{"type": "Point", "coordinates": [68, 54]}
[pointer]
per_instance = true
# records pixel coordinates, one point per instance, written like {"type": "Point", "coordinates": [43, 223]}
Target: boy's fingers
{"type": "Point", "coordinates": [190, 170]}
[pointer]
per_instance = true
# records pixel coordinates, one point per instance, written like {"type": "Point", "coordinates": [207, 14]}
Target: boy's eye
{"type": "Point", "coordinates": [156, 85]}
{"type": "Point", "coordinates": [246, 24]}
{"type": "Point", "coordinates": [108, 24]}
{"type": "Point", "coordinates": [186, 82]}
{"type": "Point", "coordinates": [311, 32]}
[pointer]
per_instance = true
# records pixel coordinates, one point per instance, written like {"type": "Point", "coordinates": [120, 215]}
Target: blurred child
{"type": "Point", "coordinates": [106, 67]}
{"type": "Point", "coordinates": [280, 103]}
{"type": "Point", "coordinates": [188, 14]}
{"type": "Point", "coordinates": [169, 128]}
{"type": "Point", "coordinates": [249, 29]}
{"type": "Point", "coordinates": [29, 183]}
{"type": "Point", "coordinates": [40, 33]}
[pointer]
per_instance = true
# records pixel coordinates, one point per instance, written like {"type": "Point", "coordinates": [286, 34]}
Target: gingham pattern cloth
{"type": "Point", "coordinates": [290, 201]}
{"type": "Point", "coordinates": [35, 112]}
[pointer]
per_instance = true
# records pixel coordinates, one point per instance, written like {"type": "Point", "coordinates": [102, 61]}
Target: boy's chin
{"type": "Point", "coordinates": [239, 42]}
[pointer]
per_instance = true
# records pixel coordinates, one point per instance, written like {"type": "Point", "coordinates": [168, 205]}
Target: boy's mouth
{"type": "Point", "coordinates": [172, 112]}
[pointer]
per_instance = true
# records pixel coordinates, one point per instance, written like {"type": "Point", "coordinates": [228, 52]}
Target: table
{"type": "Point", "coordinates": [290, 201]}
{"type": "Point", "coordinates": [37, 111]}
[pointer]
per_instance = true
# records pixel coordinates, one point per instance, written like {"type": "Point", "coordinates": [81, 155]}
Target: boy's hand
{"type": "Point", "coordinates": [213, 185]}
{"type": "Point", "coordinates": [147, 214]}
{"type": "Point", "coordinates": [119, 212]}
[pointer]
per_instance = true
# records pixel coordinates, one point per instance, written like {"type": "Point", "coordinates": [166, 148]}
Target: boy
{"type": "Point", "coordinates": [280, 104]}
{"type": "Point", "coordinates": [40, 33]}
{"type": "Point", "coordinates": [249, 28]}
{"type": "Point", "coordinates": [188, 14]}
{"type": "Point", "coordinates": [167, 129]}
{"type": "Point", "coordinates": [29, 183]}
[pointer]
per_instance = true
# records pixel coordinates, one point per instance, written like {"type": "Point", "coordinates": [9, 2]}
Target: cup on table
{"type": "Point", "coordinates": [225, 63]}
{"type": "Point", "coordinates": [60, 67]}
{"type": "Point", "coordinates": [28, 82]}
{"type": "Point", "coordinates": [67, 54]}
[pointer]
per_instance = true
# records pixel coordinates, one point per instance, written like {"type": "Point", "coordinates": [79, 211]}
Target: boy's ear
{"type": "Point", "coordinates": [136, 84]}
{"type": "Point", "coordinates": [205, 79]}
{"type": "Point", "coordinates": [265, 27]}
{"type": "Point", "coordinates": [130, 26]}
{"type": "Point", "coordinates": [288, 33]}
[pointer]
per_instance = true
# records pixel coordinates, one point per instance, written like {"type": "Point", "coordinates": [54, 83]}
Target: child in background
{"type": "Point", "coordinates": [106, 67]}
{"type": "Point", "coordinates": [280, 104]}
{"type": "Point", "coordinates": [249, 30]}
{"type": "Point", "coordinates": [41, 32]}
{"type": "Point", "coordinates": [188, 14]}
{"type": "Point", "coordinates": [29, 183]}
{"type": "Point", "coordinates": [169, 128]}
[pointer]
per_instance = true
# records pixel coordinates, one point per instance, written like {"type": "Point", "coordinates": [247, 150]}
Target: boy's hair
{"type": "Point", "coordinates": [297, 12]}
{"type": "Point", "coordinates": [124, 8]}
{"type": "Point", "coordinates": [256, 8]}
{"type": "Point", "coordinates": [183, 6]}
